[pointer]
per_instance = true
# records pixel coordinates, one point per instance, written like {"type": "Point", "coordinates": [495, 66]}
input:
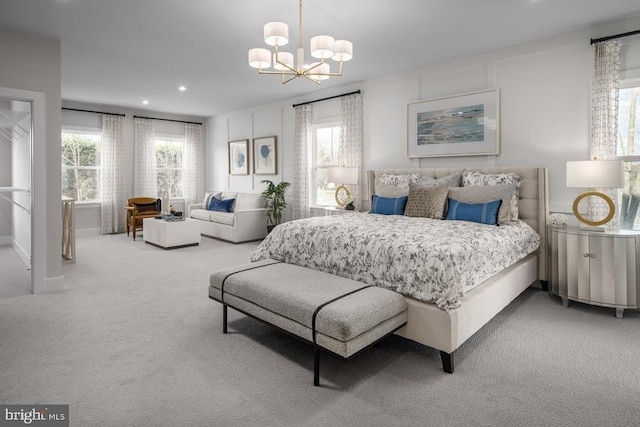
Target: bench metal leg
{"type": "Point", "coordinates": [316, 366]}
{"type": "Point", "coordinates": [224, 318]}
{"type": "Point", "coordinates": [447, 361]}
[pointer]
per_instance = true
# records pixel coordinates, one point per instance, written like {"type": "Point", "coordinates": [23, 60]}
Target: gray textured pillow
{"type": "Point", "coordinates": [453, 180]}
{"type": "Point", "coordinates": [426, 202]}
{"type": "Point", "coordinates": [488, 193]}
{"type": "Point", "coordinates": [392, 185]}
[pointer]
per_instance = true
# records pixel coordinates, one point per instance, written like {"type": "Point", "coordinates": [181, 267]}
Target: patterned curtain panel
{"type": "Point", "coordinates": [145, 175]}
{"type": "Point", "coordinates": [112, 176]}
{"type": "Point", "coordinates": [604, 118]}
{"type": "Point", "coordinates": [193, 169]}
{"type": "Point", "coordinates": [302, 161]}
{"type": "Point", "coordinates": [350, 151]}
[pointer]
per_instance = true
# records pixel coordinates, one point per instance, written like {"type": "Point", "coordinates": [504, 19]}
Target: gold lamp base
{"type": "Point", "coordinates": [594, 225]}
{"type": "Point", "coordinates": [342, 194]}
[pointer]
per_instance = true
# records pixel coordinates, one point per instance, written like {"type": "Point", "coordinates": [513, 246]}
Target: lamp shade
{"type": "Point", "coordinates": [343, 50]}
{"type": "Point", "coordinates": [595, 174]}
{"type": "Point", "coordinates": [276, 33]}
{"type": "Point", "coordinates": [343, 175]}
{"type": "Point", "coordinates": [284, 58]}
{"type": "Point", "coordinates": [322, 47]}
{"type": "Point", "coordinates": [259, 58]}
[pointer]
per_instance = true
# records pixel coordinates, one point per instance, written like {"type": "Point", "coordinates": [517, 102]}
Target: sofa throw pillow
{"type": "Point", "coordinates": [487, 193]}
{"type": "Point", "coordinates": [477, 178]}
{"type": "Point", "coordinates": [388, 205]}
{"type": "Point", "coordinates": [221, 205]}
{"type": "Point", "coordinates": [453, 180]}
{"type": "Point", "coordinates": [484, 213]}
{"type": "Point", "coordinates": [426, 202]}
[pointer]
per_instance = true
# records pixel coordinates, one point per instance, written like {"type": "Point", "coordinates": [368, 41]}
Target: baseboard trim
{"type": "Point", "coordinates": [50, 285]}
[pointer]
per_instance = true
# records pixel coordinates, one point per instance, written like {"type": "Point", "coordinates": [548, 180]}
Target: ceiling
{"type": "Point", "coordinates": [119, 52]}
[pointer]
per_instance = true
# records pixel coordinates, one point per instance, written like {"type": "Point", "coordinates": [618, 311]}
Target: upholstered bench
{"type": "Point", "coordinates": [332, 313]}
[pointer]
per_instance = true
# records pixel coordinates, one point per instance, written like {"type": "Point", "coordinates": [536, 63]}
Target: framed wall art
{"type": "Point", "coordinates": [265, 156]}
{"type": "Point", "coordinates": [460, 125]}
{"type": "Point", "coordinates": [239, 157]}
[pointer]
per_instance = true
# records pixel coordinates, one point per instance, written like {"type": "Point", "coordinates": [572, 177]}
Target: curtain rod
{"type": "Point", "coordinates": [91, 111]}
{"type": "Point", "coordinates": [167, 120]}
{"type": "Point", "coordinates": [616, 36]}
{"type": "Point", "coordinates": [329, 97]}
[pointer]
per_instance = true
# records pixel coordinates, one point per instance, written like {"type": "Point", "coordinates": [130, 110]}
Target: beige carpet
{"type": "Point", "coordinates": [134, 341]}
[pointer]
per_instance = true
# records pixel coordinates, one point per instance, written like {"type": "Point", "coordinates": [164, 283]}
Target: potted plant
{"type": "Point", "coordinates": [274, 195]}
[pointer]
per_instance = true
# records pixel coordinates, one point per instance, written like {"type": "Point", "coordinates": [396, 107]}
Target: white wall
{"type": "Point", "coordinates": [34, 66]}
{"type": "Point", "coordinates": [88, 219]}
{"type": "Point", "coordinates": [544, 110]}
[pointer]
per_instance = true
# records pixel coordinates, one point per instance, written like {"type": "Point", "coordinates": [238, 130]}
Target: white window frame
{"type": "Point", "coordinates": [86, 131]}
{"type": "Point", "coordinates": [632, 80]}
{"type": "Point", "coordinates": [314, 164]}
{"type": "Point", "coordinates": [173, 138]}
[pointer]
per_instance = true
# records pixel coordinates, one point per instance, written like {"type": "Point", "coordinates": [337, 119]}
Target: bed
{"type": "Point", "coordinates": [444, 311]}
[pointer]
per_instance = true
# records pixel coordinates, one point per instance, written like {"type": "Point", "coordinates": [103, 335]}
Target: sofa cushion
{"type": "Point", "coordinates": [207, 198]}
{"type": "Point", "coordinates": [249, 201]}
{"type": "Point", "coordinates": [201, 214]}
{"type": "Point", "coordinates": [221, 217]}
{"type": "Point", "coordinates": [221, 205]}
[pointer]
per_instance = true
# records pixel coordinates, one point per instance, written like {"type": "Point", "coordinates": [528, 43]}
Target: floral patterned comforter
{"type": "Point", "coordinates": [430, 260]}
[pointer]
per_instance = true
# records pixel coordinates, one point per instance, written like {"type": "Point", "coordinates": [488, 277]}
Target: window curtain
{"type": "Point", "coordinates": [112, 176]}
{"type": "Point", "coordinates": [302, 161]}
{"type": "Point", "coordinates": [350, 149]}
{"type": "Point", "coordinates": [605, 86]}
{"type": "Point", "coordinates": [145, 175]}
{"type": "Point", "coordinates": [193, 169]}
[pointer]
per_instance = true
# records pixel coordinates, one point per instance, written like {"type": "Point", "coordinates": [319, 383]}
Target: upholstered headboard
{"type": "Point", "coordinates": [533, 203]}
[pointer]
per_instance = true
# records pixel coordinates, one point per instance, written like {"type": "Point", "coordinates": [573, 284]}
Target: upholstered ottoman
{"type": "Point", "coordinates": [333, 313]}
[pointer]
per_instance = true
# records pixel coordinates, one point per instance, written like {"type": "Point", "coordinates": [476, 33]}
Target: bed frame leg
{"type": "Point", "coordinates": [224, 318]}
{"type": "Point", "coordinates": [545, 285]}
{"type": "Point", "coordinates": [447, 361]}
{"type": "Point", "coordinates": [316, 366]}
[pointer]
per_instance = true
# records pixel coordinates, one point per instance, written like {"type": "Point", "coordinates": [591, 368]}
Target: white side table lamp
{"type": "Point", "coordinates": [342, 175]}
{"type": "Point", "coordinates": [595, 174]}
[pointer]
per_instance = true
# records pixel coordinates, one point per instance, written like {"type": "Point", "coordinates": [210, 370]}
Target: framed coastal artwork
{"type": "Point", "coordinates": [460, 125]}
{"type": "Point", "coordinates": [265, 156]}
{"type": "Point", "coordinates": [238, 157]}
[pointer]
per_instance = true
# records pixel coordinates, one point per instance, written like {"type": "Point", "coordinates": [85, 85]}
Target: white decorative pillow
{"type": "Point", "coordinates": [391, 185]}
{"type": "Point", "coordinates": [488, 193]}
{"type": "Point", "coordinates": [207, 199]}
{"type": "Point", "coordinates": [477, 178]}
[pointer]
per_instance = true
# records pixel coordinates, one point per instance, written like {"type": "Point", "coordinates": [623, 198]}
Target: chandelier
{"type": "Point", "coordinates": [323, 47]}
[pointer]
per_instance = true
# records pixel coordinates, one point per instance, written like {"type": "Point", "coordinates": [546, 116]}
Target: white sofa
{"type": "Point", "coordinates": [248, 221]}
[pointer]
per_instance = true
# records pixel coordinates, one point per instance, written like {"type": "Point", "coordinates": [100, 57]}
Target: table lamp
{"type": "Point", "coordinates": [595, 174]}
{"type": "Point", "coordinates": [343, 175]}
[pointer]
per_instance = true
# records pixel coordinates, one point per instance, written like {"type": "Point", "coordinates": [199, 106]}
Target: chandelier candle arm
{"type": "Point", "coordinates": [276, 34]}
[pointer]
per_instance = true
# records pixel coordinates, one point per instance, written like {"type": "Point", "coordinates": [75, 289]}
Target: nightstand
{"type": "Point", "coordinates": [599, 268]}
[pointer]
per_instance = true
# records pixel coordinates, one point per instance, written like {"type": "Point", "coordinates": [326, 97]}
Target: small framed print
{"type": "Point", "coordinates": [238, 157]}
{"type": "Point", "coordinates": [265, 156]}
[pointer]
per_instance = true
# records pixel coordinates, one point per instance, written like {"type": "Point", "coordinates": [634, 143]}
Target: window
{"type": "Point", "coordinates": [169, 166]}
{"type": "Point", "coordinates": [628, 149]}
{"type": "Point", "coordinates": [326, 140]}
{"type": "Point", "coordinates": [81, 165]}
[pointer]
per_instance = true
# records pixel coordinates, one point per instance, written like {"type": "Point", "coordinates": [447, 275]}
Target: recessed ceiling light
{"type": "Point", "coordinates": [145, 102]}
{"type": "Point", "coordinates": [182, 88]}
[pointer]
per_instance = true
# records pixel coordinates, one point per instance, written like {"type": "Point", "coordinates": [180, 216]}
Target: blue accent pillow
{"type": "Point", "coordinates": [388, 205]}
{"type": "Point", "coordinates": [221, 205]}
{"type": "Point", "coordinates": [484, 213]}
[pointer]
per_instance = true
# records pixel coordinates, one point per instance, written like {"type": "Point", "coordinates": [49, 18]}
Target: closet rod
{"type": "Point", "coordinates": [167, 120]}
{"type": "Point", "coordinates": [327, 98]}
{"type": "Point", "coordinates": [91, 111]}
{"type": "Point", "coordinates": [616, 36]}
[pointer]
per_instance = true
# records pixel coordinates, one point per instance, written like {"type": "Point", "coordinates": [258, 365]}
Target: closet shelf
{"type": "Point", "coordinates": [12, 190]}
